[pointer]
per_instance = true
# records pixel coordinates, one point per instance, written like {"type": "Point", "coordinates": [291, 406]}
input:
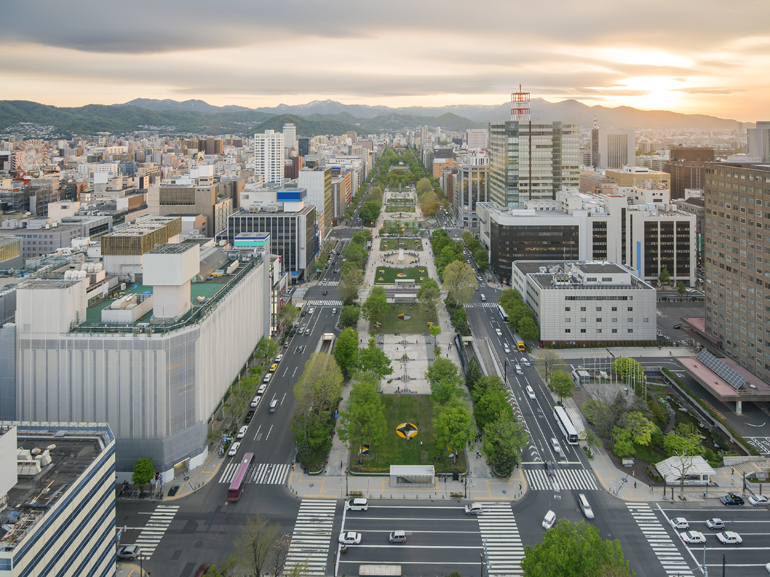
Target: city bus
{"type": "Point", "coordinates": [566, 426]}
{"type": "Point", "coordinates": [241, 476]}
{"type": "Point", "coordinates": [503, 314]}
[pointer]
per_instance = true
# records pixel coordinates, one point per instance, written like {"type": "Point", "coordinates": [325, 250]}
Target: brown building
{"type": "Point", "coordinates": [737, 288]}
{"type": "Point", "coordinates": [291, 170]}
{"type": "Point", "coordinates": [687, 169]}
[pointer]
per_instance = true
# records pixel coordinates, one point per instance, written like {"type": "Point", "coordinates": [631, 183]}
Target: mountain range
{"type": "Point", "coordinates": [326, 117]}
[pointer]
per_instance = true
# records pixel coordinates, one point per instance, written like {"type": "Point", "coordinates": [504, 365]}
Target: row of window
{"type": "Point", "coordinates": [599, 319]}
{"type": "Point", "coordinates": [597, 331]}
{"type": "Point", "coordinates": [598, 309]}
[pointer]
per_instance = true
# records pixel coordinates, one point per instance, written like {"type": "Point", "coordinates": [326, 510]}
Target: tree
{"type": "Point", "coordinates": [548, 361]}
{"type": "Point", "coordinates": [454, 426]}
{"type": "Point", "coordinates": [460, 321]}
{"type": "Point", "coordinates": [435, 331]}
{"type": "Point", "coordinates": [143, 473]}
{"type": "Point", "coordinates": [685, 444]}
{"type": "Point", "coordinates": [562, 384]}
{"type": "Point", "coordinates": [629, 370]}
{"type": "Point", "coordinates": [640, 427]}
{"type": "Point", "coordinates": [288, 316]}
{"type": "Point", "coordinates": [255, 547]}
{"type": "Point", "coordinates": [429, 295]}
{"type": "Point", "coordinates": [362, 237]}
{"type": "Point", "coordinates": [266, 350]}
{"type": "Point", "coordinates": [665, 276]}
{"type": "Point", "coordinates": [472, 374]}
{"type": "Point", "coordinates": [362, 420]}
{"type": "Point", "coordinates": [624, 442]}
{"type": "Point", "coordinates": [423, 186]}
{"type": "Point", "coordinates": [430, 203]}
{"type": "Point", "coordinates": [346, 350]}
{"type": "Point", "coordinates": [460, 282]}
{"type": "Point", "coordinates": [491, 406]}
{"type": "Point", "coordinates": [349, 285]}
{"type": "Point", "coordinates": [504, 440]}
{"type": "Point", "coordinates": [320, 384]}
{"type": "Point", "coordinates": [237, 397]}
{"type": "Point", "coordinates": [681, 288]}
{"type": "Point", "coordinates": [484, 384]}
{"type": "Point", "coordinates": [592, 440]}
{"type": "Point", "coordinates": [355, 253]}
{"type": "Point", "coordinates": [528, 329]}
{"type": "Point", "coordinates": [374, 361]}
{"type": "Point", "coordinates": [445, 382]}
{"type": "Point", "coordinates": [481, 257]}
{"type": "Point", "coordinates": [375, 305]}
{"type": "Point", "coordinates": [574, 550]}
{"type": "Point", "coordinates": [349, 316]}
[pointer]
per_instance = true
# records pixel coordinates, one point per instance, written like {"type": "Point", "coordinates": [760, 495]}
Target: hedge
{"type": "Point", "coordinates": [710, 411]}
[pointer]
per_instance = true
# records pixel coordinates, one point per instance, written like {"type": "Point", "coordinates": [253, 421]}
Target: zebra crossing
{"type": "Point", "coordinates": [481, 305]}
{"type": "Point", "coordinates": [657, 536]}
{"type": "Point", "coordinates": [325, 303]}
{"type": "Point", "coordinates": [328, 283]}
{"type": "Point", "coordinates": [156, 527]}
{"type": "Point", "coordinates": [568, 480]}
{"type": "Point", "coordinates": [261, 473]}
{"type": "Point", "coordinates": [501, 539]}
{"type": "Point", "coordinates": [310, 540]}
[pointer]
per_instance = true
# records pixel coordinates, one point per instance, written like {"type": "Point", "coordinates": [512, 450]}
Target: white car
{"type": "Point", "coordinates": [262, 389]}
{"type": "Point", "coordinates": [129, 552]}
{"type": "Point", "coordinates": [679, 523]}
{"type": "Point", "coordinates": [729, 538]}
{"type": "Point", "coordinates": [499, 332]}
{"type": "Point", "coordinates": [531, 392]}
{"type": "Point", "coordinates": [311, 311]}
{"type": "Point", "coordinates": [507, 348]}
{"type": "Point", "coordinates": [549, 520]}
{"type": "Point", "coordinates": [233, 449]}
{"type": "Point", "coordinates": [267, 378]}
{"type": "Point", "coordinates": [350, 538]}
{"type": "Point", "coordinates": [692, 537]}
{"type": "Point", "coordinates": [715, 523]}
{"type": "Point", "coordinates": [525, 362]}
{"type": "Point", "coordinates": [556, 446]}
{"type": "Point", "coordinates": [357, 505]}
{"type": "Point", "coordinates": [278, 359]}
{"type": "Point", "coordinates": [759, 500]}
{"type": "Point", "coordinates": [242, 432]}
{"type": "Point", "coordinates": [254, 402]}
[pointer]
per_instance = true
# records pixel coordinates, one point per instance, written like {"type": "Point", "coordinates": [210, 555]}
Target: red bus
{"type": "Point", "coordinates": [240, 477]}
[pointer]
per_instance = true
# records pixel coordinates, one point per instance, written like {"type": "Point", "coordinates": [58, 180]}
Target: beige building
{"type": "Point", "coordinates": [636, 176]}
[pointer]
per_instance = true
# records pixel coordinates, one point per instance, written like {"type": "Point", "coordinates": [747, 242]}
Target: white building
{"type": "Point", "coordinates": [471, 186]}
{"type": "Point", "coordinates": [68, 529]}
{"type": "Point", "coordinates": [268, 157]}
{"type": "Point", "coordinates": [477, 138]}
{"type": "Point", "coordinates": [589, 302]}
{"type": "Point", "coordinates": [612, 148]}
{"type": "Point", "coordinates": [290, 135]}
{"type": "Point", "coordinates": [318, 183]}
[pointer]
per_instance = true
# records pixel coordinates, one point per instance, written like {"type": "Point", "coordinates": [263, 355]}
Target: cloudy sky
{"type": "Point", "coordinates": [704, 56]}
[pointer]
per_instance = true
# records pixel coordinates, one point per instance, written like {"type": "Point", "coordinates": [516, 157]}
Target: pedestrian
{"type": "Point", "coordinates": [634, 484]}
{"type": "Point", "coordinates": [421, 443]}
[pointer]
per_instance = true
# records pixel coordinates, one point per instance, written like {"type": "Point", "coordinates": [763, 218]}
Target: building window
{"type": "Point", "coordinates": [567, 308]}
{"type": "Point", "coordinates": [614, 330]}
{"type": "Point", "coordinates": [582, 330]}
{"type": "Point", "coordinates": [614, 319]}
{"type": "Point", "coordinates": [582, 309]}
{"type": "Point", "coordinates": [646, 319]}
{"type": "Point", "coordinates": [567, 330]}
{"type": "Point", "coordinates": [582, 319]}
{"type": "Point", "coordinates": [630, 319]}
{"type": "Point", "coordinates": [598, 319]}
{"type": "Point", "coordinates": [598, 330]}
{"type": "Point", "coordinates": [614, 309]}
{"type": "Point", "coordinates": [568, 320]}
{"type": "Point", "coordinates": [598, 309]}
{"type": "Point", "coordinates": [630, 330]}
{"type": "Point", "coordinates": [630, 309]}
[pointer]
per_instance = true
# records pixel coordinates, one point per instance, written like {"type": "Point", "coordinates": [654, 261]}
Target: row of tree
{"type": "Point", "coordinates": [480, 254]}
{"type": "Point", "coordinates": [521, 319]}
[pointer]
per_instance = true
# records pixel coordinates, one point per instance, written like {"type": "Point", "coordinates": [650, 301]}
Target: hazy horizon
{"type": "Point", "coordinates": [689, 57]}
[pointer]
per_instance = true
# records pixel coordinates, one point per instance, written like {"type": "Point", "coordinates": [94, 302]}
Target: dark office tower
{"type": "Point", "coordinates": [735, 255]}
{"type": "Point", "coordinates": [687, 168]}
{"type": "Point", "coordinates": [303, 146]}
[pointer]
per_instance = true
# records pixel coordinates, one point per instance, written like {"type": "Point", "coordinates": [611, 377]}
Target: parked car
{"type": "Point", "coordinates": [692, 537]}
{"type": "Point", "coordinates": [233, 449]}
{"type": "Point", "coordinates": [242, 432]}
{"type": "Point", "coordinates": [273, 367]}
{"type": "Point", "coordinates": [254, 402]}
{"type": "Point", "coordinates": [729, 538]}
{"type": "Point", "coordinates": [549, 520]}
{"type": "Point", "coordinates": [357, 505]}
{"type": "Point", "coordinates": [129, 552]}
{"type": "Point", "coordinates": [278, 359]}
{"type": "Point", "coordinates": [677, 326]}
{"type": "Point", "coordinates": [758, 500]}
{"type": "Point", "coordinates": [715, 523]}
{"type": "Point", "coordinates": [267, 378]}
{"type": "Point", "coordinates": [350, 538]}
{"type": "Point", "coordinates": [249, 416]}
{"type": "Point", "coordinates": [261, 390]}
{"type": "Point", "coordinates": [679, 523]}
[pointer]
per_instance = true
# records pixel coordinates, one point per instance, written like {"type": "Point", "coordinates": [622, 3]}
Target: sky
{"type": "Point", "coordinates": [696, 57]}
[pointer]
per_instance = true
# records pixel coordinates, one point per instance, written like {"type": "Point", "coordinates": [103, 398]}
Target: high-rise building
{"type": "Point", "coordinates": [687, 168]}
{"type": "Point", "coordinates": [268, 157]}
{"type": "Point", "coordinates": [735, 250]}
{"type": "Point", "coordinates": [613, 148]}
{"type": "Point", "coordinates": [303, 146]}
{"type": "Point", "coordinates": [759, 141]}
{"type": "Point", "coordinates": [289, 135]}
{"type": "Point", "coordinates": [477, 138]}
{"type": "Point", "coordinates": [318, 183]}
{"type": "Point", "coordinates": [470, 187]}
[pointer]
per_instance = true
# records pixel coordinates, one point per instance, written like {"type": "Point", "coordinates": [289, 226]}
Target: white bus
{"type": "Point", "coordinates": [566, 426]}
{"type": "Point", "coordinates": [503, 314]}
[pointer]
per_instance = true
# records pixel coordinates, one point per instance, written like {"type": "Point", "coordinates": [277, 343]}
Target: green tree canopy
{"type": "Point", "coordinates": [265, 351]}
{"type": "Point", "coordinates": [562, 384]}
{"type": "Point", "coordinates": [504, 440]}
{"type": "Point", "coordinates": [445, 382]}
{"type": "Point", "coordinates": [574, 550]}
{"type": "Point", "coordinates": [144, 472]}
{"type": "Point", "coordinates": [429, 295]}
{"type": "Point", "coordinates": [528, 329]}
{"type": "Point", "coordinates": [460, 282]}
{"type": "Point", "coordinates": [684, 443]}
{"type": "Point", "coordinates": [362, 420]}
{"type": "Point", "coordinates": [547, 362]}
{"type": "Point", "coordinates": [376, 304]}
{"type": "Point", "coordinates": [374, 361]}
{"type": "Point", "coordinates": [346, 350]}
{"type": "Point", "coordinates": [629, 368]}
{"type": "Point", "coordinates": [349, 285]}
{"type": "Point", "coordinates": [454, 426]}
{"type": "Point", "coordinates": [349, 316]}
{"type": "Point", "coordinates": [288, 316]}
{"type": "Point", "coordinates": [423, 186]}
{"type": "Point", "coordinates": [486, 383]}
{"type": "Point", "coordinates": [492, 405]}
{"type": "Point", "coordinates": [355, 253]}
{"type": "Point", "coordinates": [665, 276]}
{"type": "Point", "coordinates": [320, 384]}
{"type": "Point", "coordinates": [472, 374]}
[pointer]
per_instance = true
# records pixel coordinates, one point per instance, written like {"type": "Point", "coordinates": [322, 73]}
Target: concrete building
{"type": "Point", "coordinates": [687, 168]}
{"type": "Point", "coordinates": [68, 529]}
{"type": "Point", "coordinates": [289, 135]}
{"type": "Point", "coordinates": [318, 183]}
{"type": "Point", "coordinates": [735, 251]}
{"type": "Point", "coordinates": [303, 146]}
{"type": "Point", "coordinates": [531, 160]}
{"type": "Point", "coordinates": [612, 147]}
{"type": "Point", "coordinates": [471, 186]}
{"type": "Point", "coordinates": [39, 236]}
{"type": "Point", "coordinates": [191, 200]}
{"type": "Point", "coordinates": [694, 203]}
{"type": "Point", "coordinates": [759, 141]}
{"type": "Point", "coordinates": [10, 252]}
{"type": "Point", "coordinates": [477, 138]}
{"type": "Point", "coordinates": [587, 302]}
{"type": "Point", "coordinates": [268, 157]}
{"type": "Point", "coordinates": [636, 176]}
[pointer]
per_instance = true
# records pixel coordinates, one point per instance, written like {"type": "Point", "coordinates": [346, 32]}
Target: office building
{"type": "Point", "coordinates": [443, 158]}
{"type": "Point", "coordinates": [694, 203]}
{"type": "Point", "coordinates": [471, 186]}
{"type": "Point", "coordinates": [58, 481]}
{"type": "Point", "coordinates": [587, 302]}
{"type": "Point", "coordinates": [10, 252]}
{"type": "Point", "coordinates": [531, 160]}
{"type": "Point", "coordinates": [289, 135]}
{"type": "Point", "coordinates": [191, 200]}
{"type": "Point", "coordinates": [318, 183]}
{"type": "Point", "coordinates": [759, 141]}
{"type": "Point", "coordinates": [268, 157]}
{"type": "Point", "coordinates": [637, 176]}
{"type": "Point", "coordinates": [687, 168]}
{"type": "Point", "coordinates": [612, 147]}
{"type": "Point", "coordinates": [735, 252]}
{"type": "Point", "coordinates": [476, 138]}
{"type": "Point", "coordinates": [303, 146]}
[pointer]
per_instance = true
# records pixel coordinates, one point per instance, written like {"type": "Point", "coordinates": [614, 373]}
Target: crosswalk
{"type": "Point", "coordinates": [568, 479]}
{"type": "Point", "coordinates": [657, 536]}
{"type": "Point", "coordinates": [502, 541]}
{"type": "Point", "coordinates": [310, 540]}
{"type": "Point", "coordinates": [481, 305]}
{"type": "Point", "coordinates": [156, 527]}
{"type": "Point", "coordinates": [328, 283]}
{"type": "Point", "coordinates": [325, 303]}
{"type": "Point", "coordinates": [261, 473]}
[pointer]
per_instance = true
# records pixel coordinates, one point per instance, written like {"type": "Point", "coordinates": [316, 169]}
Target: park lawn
{"type": "Point", "coordinates": [389, 275]}
{"type": "Point", "coordinates": [395, 244]}
{"type": "Point", "coordinates": [399, 209]}
{"type": "Point", "coordinates": [417, 324]}
{"type": "Point", "coordinates": [401, 224]}
{"type": "Point", "coordinates": [394, 450]}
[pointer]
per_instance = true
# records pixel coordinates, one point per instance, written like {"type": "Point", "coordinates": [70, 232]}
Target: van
{"type": "Point", "coordinates": [583, 502]}
{"type": "Point", "coordinates": [483, 298]}
{"type": "Point", "coordinates": [474, 509]}
{"type": "Point", "coordinates": [549, 520]}
{"type": "Point", "coordinates": [397, 537]}
{"type": "Point", "coordinates": [273, 405]}
{"type": "Point", "coordinates": [531, 392]}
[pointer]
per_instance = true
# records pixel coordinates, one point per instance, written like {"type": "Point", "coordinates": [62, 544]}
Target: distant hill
{"type": "Point", "coordinates": [186, 106]}
{"type": "Point", "coordinates": [305, 126]}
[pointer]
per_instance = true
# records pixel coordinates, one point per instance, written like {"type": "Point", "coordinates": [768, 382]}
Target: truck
{"type": "Point", "coordinates": [519, 343]}
{"type": "Point", "coordinates": [325, 344]}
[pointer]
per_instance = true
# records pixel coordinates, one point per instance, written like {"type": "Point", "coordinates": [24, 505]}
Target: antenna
{"type": "Point", "coordinates": [520, 106]}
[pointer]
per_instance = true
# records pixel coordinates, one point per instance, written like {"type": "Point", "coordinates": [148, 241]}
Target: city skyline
{"type": "Point", "coordinates": [691, 57]}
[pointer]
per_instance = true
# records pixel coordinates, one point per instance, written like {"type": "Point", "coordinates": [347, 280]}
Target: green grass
{"type": "Point", "coordinates": [399, 209]}
{"type": "Point", "coordinates": [394, 450]}
{"type": "Point", "coordinates": [396, 243]}
{"type": "Point", "coordinates": [401, 224]}
{"type": "Point", "coordinates": [417, 324]}
{"type": "Point", "coordinates": [389, 275]}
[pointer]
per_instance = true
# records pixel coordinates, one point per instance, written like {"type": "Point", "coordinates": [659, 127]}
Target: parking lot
{"type": "Point", "coordinates": [751, 523]}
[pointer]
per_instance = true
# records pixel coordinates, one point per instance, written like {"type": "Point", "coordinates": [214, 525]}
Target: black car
{"type": "Point", "coordinates": [303, 313]}
{"type": "Point", "coordinates": [249, 416]}
{"type": "Point", "coordinates": [326, 293]}
{"type": "Point", "coordinates": [677, 326]}
{"type": "Point", "coordinates": [732, 499]}
{"type": "Point", "coordinates": [292, 332]}
{"type": "Point", "coordinates": [549, 468]}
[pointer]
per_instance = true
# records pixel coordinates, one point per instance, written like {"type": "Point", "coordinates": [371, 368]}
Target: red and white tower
{"type": "Point", "coordinates": [520, 106]}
